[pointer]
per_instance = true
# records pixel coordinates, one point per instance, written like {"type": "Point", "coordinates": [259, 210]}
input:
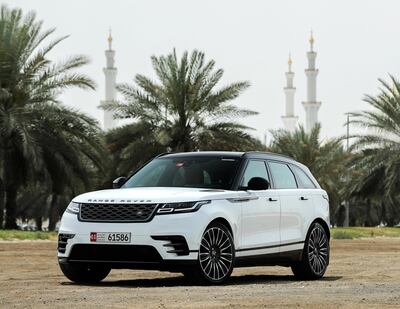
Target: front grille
{"type": "Point", "coordinates": [117, 212]}
{"type": "Point", "coordinates": [114, 253]}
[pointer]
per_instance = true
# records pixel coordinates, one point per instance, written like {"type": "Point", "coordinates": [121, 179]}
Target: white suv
{"type": "Point", "coordinates": [200, 213]}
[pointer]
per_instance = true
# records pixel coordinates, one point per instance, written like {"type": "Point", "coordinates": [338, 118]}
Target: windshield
{"type": "Point", "coordinates": [200, 172]}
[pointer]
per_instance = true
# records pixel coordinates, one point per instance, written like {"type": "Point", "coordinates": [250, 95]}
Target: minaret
{"type": "Point", "coordinates": [110, 73]}
{"type": "Point", "coordinates": [311, 106]}
{"type": "Point", "coordinates": [289, 119]}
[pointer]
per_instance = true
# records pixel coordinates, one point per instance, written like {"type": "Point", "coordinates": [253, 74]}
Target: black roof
{"type": "Point", "coordinates": [229, 154]}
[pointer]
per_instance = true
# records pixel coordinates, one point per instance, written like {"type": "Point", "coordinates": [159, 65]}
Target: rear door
{"type": "Point", "coordinates": [307, 190]}
{"type": "Point", "coordinates": [295, 205]}
{"type": "Point", "coordinates": [260, 213]}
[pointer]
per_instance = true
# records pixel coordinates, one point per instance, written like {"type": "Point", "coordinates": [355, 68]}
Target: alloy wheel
{"type": "Point", "coordinates": [318, 248]}
{"type": "Point", "coordinates": [216, 254]}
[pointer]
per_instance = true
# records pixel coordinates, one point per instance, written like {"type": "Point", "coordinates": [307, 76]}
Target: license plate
{"type": "Point", "coordinates": [106, 237]}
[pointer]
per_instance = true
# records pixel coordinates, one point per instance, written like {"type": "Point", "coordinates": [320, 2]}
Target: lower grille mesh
{"type": "Point", "coordinates": [117, 212]}
{"type": "Point", "coordinates": [114, 253]}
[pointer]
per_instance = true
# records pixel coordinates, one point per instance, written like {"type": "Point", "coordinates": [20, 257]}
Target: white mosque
{"type": "Point", "coordinates": [290, 120]}
{"type": "Point", "coordinates": [311, 105]}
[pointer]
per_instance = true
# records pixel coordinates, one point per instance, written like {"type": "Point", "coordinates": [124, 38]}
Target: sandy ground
{"type": "Point", "coordinates": [363, 273]}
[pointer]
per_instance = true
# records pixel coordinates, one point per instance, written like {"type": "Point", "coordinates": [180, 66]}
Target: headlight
{"type": "Point", "coordinates": [181, 207]}
{"type": "Point", "coordinates": [73, 208]}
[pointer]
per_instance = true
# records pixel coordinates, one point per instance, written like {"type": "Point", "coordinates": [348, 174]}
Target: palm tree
{"type": "Point", "coordinates": [325, 159]}
{"type": "Point", "coordinates": [134, 144]}
{"type": "Point", "coordinates": [182, 111]}
{"type": "Point", "coordinates": [29, 110]}
{"type": "Point", "coordinates": [73, 153]}
{"type": "Point", "coordinates": [378, 161]}
{"type": "Point", "coordinates": [131, 146]}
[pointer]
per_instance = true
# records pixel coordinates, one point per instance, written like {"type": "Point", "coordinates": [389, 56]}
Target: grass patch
{"type": "Point", "coordinates": [26, 235]}
{"type": "Point", "coordinates": [362, 232]}
{"type": "Point", "coordinates": [341, 234]}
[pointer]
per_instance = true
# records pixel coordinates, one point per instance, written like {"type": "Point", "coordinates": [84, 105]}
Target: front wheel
{"type": "Point", "coordinates": [82, 273]}
{"type": "Point", "coordinates": [216, 256]}
{"type": "Point", "coordinates": [315, 258]}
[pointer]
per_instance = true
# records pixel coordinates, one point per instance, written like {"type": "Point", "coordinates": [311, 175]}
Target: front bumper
{"type": "Point", "coordinates": [155, 234]}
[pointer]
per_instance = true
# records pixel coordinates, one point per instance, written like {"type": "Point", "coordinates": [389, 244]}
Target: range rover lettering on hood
{"type": "Point", "coordinates": [117, 201]}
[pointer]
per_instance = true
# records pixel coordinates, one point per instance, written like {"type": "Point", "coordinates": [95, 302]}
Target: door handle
{"type": "Point", "coordinates": [303, 198]}
{"type": "Point", "coordinates": [272, 199]}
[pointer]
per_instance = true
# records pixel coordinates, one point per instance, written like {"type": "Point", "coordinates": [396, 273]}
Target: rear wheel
{"type": "Point", "coordinates": [216, 256]}
{"type": "Point", "coordinates": [315, 257]}
{"type": "Point", "coordinates": [82, 273]}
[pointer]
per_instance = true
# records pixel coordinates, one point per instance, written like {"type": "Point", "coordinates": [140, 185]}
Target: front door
{"type": "Point", "coordinates": [260, 214]}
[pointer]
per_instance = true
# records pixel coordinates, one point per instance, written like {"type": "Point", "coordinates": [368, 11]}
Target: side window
{"type": "Point", "coordinates": [282, 175]}
{"type": "Point", "coordinates": [304, 181]}
{"type": "Point", "coordinates": [255, 168]}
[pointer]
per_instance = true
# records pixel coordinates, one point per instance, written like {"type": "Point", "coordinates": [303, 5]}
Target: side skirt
{"type": "Point", "coordinates": [272, 259]}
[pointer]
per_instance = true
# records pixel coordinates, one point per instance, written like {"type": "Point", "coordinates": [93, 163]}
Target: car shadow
{"type": "Point", "coordinates": [182, 281]}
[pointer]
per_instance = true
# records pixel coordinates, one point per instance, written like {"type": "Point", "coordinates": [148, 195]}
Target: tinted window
{"type": "Point", "coordinates": [304, 181]}
{"type": "Point", "coordinates": [254, 168]}
{"type": "Point", "coordinates": [200, 172]}
{"type": "Point", "coordinates": [282, 175]}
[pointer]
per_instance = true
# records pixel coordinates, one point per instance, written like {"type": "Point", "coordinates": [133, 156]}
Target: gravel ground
{"type": "Point", "coordinates": [363, 273]}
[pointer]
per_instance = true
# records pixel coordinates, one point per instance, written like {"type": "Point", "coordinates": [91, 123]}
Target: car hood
{"type": "Point", "coordinates": [154, 195]}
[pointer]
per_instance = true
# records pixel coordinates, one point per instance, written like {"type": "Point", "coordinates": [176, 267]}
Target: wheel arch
{"type": "Point", "coordinates": [324, 225]}
{"type": "Point", "coordinates": [224, 222]}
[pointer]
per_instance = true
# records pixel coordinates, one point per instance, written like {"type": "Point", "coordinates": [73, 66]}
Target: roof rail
{"type": "Point", "coordinates": [162, 154]}
{"type": "Point", "coordinates": [268, 153]}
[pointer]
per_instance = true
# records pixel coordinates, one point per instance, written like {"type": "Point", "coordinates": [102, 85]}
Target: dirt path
{"type": "Point", "coordinates": [363, 273]}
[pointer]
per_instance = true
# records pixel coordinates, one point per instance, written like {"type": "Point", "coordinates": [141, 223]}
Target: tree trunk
{"type": "Point", "coordinates": [1, 204]}
{"type": "Point", "coordinates": [390, 214]}
{"type": "Point", "coordinates": [383, 211]}
{"type": "Point", "coordinates": [11, 205]}
{"type": "Point", "coordinates": [39, 223]}
{"type": "Point", "coordinates": [368, 218]}
{"type": "Point", "coordinates": [11, 185]}
{"type": "Point", "coordinates": [1, 209]}
{"type": "Point", "coordinates": [340, 216]}
{"type": "Point", "coordinates": [53, 212]}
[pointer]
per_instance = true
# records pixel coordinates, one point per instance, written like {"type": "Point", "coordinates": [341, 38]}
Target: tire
{"type": "Point", "coordinates": [315, 257]}
{"type": "Point", "coordinates": [216, 256]}
{"type": "Point", "coordinates": [83, 273]}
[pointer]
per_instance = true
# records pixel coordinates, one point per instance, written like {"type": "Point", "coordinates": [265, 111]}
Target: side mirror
{"type": "Point", "coordinates": [118, 182]}
{"type": "Point", "coordinates": [258, 183]}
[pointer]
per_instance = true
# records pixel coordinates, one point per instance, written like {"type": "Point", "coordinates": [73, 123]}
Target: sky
{"type": "Point", "coordinates": [356, 41]}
